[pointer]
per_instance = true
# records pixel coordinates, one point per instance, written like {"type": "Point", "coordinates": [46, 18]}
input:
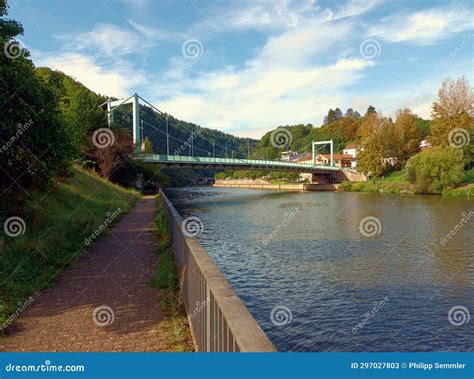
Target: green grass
{"type": "Point", "coordinates": [396, 182]}
{"type": "Point", "coordinates": [467, 190]}
{"type": "Point", "coordinates": [393, 182]}
{"type": "Point", "coordinates": [469, 177]}
{"type": "Point", "coordinates": [57, 225]}
{"type": "Point", "coordinates": [168, 279]}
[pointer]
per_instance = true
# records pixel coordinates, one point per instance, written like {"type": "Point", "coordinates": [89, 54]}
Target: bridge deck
{"type": "Point", "coordinates": [196, 162]}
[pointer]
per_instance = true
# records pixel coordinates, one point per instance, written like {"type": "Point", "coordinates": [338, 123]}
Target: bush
{"type": "Point", "coordinates": [433, 170]}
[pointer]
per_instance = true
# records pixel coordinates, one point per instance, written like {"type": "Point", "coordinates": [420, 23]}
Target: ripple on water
{"type": "Point", "coordinates": [334, 279]}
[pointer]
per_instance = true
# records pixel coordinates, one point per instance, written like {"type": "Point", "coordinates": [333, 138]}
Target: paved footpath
{"type": "Point", "coordinates": [113, 273]}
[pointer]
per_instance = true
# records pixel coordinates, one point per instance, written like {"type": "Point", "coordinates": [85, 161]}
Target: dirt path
{"type": "Point", "coordinates": [113, 273]}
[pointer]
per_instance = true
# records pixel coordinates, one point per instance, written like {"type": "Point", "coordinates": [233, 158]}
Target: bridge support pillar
{"type": "Point", "coordinates": [136, 123]}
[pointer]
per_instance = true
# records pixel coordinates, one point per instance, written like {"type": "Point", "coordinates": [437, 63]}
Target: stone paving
{"type": "Point", "coordinates": [104, 303]}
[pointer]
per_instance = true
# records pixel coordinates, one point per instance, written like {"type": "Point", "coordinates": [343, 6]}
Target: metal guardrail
{"type": "Point", "coordinates": [218, 318]}
{"type": "Point", "coordinates": [164, 158]}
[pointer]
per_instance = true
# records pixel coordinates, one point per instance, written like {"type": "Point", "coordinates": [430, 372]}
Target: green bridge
{"type": "Point", "coordinates": [183, 161]}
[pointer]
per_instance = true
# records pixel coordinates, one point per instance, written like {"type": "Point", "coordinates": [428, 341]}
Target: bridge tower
{"type": "Point", "coordinates": [331, 146]}
{"type": "Point", "coordinates": [114, 104]}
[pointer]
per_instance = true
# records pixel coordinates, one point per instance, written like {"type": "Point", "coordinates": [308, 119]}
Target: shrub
{"type": "Point", "coordinates": [433, 170]}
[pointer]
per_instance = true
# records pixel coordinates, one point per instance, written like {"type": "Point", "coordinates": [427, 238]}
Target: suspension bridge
{"type": "Point", "coordinates": [179, 160]}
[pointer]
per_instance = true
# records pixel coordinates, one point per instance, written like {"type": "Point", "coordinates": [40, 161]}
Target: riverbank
{"type": "Point", "coordinates": [282, 187]}
{"type": "Point", "coordinates": [52, 230]}
{"type": "Point", "coordinates": [104, 303]}
{"type": "Point", "coordinates": [175, 327]}
{"type": "Point", "coordinates": [397, 183]}
{"type": "Point", "coordinates": [305, 257]}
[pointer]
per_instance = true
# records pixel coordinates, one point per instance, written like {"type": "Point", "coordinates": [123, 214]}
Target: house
{"type": "Point", "coordinates": [390, 161]}
{"type": "Point", "coordinates": [306, 158]}
{"type": "Point", "coordinates": [351, 149]}
{"type": "Point", "coordinates": [425, 144]}
{"type": "Point", "coordinates": [289, 155]}
{"type": "Point", "coordinates": [340, 160]}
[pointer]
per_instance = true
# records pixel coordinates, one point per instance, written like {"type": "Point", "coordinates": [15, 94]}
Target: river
{"type": "Point", "coordinates": [344, 271]}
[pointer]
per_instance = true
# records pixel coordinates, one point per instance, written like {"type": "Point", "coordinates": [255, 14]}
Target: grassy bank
{"type": "Point", "coordinates": [57, 226]}
{"type": "Point", "coordinates": [396, 182]}
{"type": "Point", "coordinates": [168, 279]}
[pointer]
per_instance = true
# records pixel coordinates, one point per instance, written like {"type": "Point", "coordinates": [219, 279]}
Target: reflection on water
{"type": "Point", "coordinates": [305, 251]}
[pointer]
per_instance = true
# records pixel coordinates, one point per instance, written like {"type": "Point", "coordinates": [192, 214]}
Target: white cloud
{"type": "Point", "coordinates": [107, 81]}
{"type": "Point", "coordinates": [423, 27]}
{"type": "Point", "coordinates": [282, 85]}
{"type": "Point", "coordinates": [271, 15]}
{"type": "Point", "coordinates": [107, 40]}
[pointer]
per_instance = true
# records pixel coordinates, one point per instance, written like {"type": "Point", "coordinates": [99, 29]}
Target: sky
{"type": "Point", "coordinates": [246, 67]}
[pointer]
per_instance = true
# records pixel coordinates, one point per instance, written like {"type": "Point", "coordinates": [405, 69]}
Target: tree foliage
{"type": "Point", "coordinates": [454, 108]}
{"type": "Point", "coordinates": [433, 170]}
{"type": "Point", "coordinates": [34, 144]}
{"type": "Point", "coordinates": [372, 145]}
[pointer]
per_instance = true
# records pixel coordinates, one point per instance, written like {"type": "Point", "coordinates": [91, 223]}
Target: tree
{"type": "Point", "coordinates": [34, 144]}
{"type": "Point", "coordinates": [407, 135]}
{"type": "Point", "coordinates": [454, 108]}
{"type": "Point", "coordinates": [370, 110]}
{"type": "Point", "coordinates": [111, 155]}
{"type": "Point", "coordinates": [372, 145]}
{"type": "Point", "coordinates": [148, 146]}
{"type": "Point", "coordinates": [333, 115]}
{"type": "Point", "coordinates": [350, 113]}
{"type": "Point", "coordinates": [434, 170]}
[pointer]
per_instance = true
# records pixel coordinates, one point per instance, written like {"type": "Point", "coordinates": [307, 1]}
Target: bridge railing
{"type": "Point", "coordinates": [218, 318]}
{"type": "Point", "coordinates": [217, 160]}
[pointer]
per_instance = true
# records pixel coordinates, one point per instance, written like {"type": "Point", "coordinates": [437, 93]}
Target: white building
{"type": "Point", "coordinates": [289, 155]}
{"type": "Point", "coordinates": [351, 150]}
{"type": "Point", "coordinates": [425, 144]}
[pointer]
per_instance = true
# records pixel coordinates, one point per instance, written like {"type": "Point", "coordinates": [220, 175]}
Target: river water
{"type": "Point", "coordinates": [344, 271]}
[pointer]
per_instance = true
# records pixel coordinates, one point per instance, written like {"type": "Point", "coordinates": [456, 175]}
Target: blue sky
{"type": "Point", "coordinates": [245, 67]}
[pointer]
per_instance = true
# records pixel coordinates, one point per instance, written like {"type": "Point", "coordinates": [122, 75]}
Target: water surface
{"type": "Point", "coordinates": [332, 288]}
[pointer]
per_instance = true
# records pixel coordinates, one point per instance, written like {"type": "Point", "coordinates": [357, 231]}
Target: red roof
{"type": "Point", "coordinates": [351, 146]}
{"type": "Point", "coordinates": [304, 158]}
{"type": "Point", "coordinates": [337, 156]}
